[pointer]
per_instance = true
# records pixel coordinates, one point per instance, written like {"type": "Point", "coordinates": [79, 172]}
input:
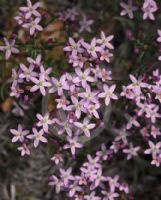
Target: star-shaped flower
{"type": "Point", "coordinates": [44, 121]}
{"type": "Point", "coordinates": [128, 9]}
{"type": "Point", "coordinates": [40, 84]}
{"type": "Point", "coordinates": [19, 134]}
{"type": "Point", "coordinates": [37, 136]}
{"type": "Point", "coordinates": [108, 93]}
{"type": "Point", "coordinates": [9, 48]}
{"type": "Point", "coordinates": [33, 26]}
{"type": "Point", "coordinates": [105, 41]}
{"type": "Point", "coordinates": [30, 9]}
{"type": "Point", "coordinates": [72, 144]}
{"type": "Point", "coordinates": [85, 126]}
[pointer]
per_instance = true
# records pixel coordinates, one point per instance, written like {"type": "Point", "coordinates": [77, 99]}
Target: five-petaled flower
{"type": "Point", "coordinates": [85, 126]}
{"type": "Point", "coordinates": [105, 41]}
{"type": "Point", "coordinates": [128, 9]}
{"type": "Point", "coordinates": [40, 84]}
{"type": "Point", "coordinates": [37, 136]}
{"type": "Point", "coordinates": [108, 93]}
{"type": "Point", "coordinates": [44, 121]}
{"type": "Point", "coordinates": [9, 48]}
{"type": "Point", "coordinates": [30, 9]}
{"type": "Point", "coordinates": [72, 144]}
{"type": "Point", "coordinates": [33, 26]}
{"type": "Point", "coordinates": [19, 134]}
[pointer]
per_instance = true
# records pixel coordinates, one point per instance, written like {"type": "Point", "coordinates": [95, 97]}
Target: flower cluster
{"type": "Point", "coordinates": [35, 76]}
{"type": "Point", "coordinates": [80, 98]}
{"type": "Point", "coordinates": [145, 94]}
{"type": "Point", "coordinates": [149, 7]}
{"type": "Point", "coordinates": [80, 95]}
{"type": "Point", "coordinates": [90, 182]}
{"type": "Point", "coordinates": [29, 17]}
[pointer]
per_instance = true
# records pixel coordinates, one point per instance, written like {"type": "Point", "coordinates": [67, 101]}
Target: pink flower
{"type": "Point", "coordinates": [71, 13]}
{"type": "Point", "coordinates": [65, 127]}
{"type": "Point", "coordinates": [66, 175]}
{"type": "Point", "coordinates": [132, 151]}
{"type": "Point", "coordinates": [159, 58]}
{"type": "Point", "coordinates": [153, 114]}
{"type": "Point", "coordinates": [145, 108]}
{"type": "Point", "coordinates": [37, 136]}
{"type": "Point", "coordinates": [57, 158]}
{"type": "Point", "coordinates": [92, 109]}
{"type": "Point", "coordinates": [122, 135]}
{"type": "Point", "coordinates": [41, 83]}
{"type": "Point", "coordinates": [44, 121]}
{"type": "Point", "coordinates": [54, 181]}
{"type": "Point", "coordinates": [74, 47]}
{"type": "Point", "coordinates": [109, 195]}
{"type": "Point", "coordinates": [132, 121]}
{"type": "Point", "coordinates": [62, 103]}
{"type": "Point", "coordinates": [127, 92]}
{"type": "Point", "coordinates": [128, 9]}
{"type": "Point", "coordinates": [45, 72]}
{"type": "Point", "coordinates": [88, 96]}
{"type": "Point", "coordinates": [24, 150]}
{"type": "Point", "coordinates": [113, 182]}
{"type": "Point", "coordinates": [92, 163]}
{"type": "Point", "coordinates": [106, 55]}
{"type": "Point", "coordinates": [92, 197]}
{"type": "Point", "coordinates": [33, 26]}
{"type": "Point", "coordinates": [59, 86]}
{"type": "Point", "coordinates": [77, 106]}
{"type": "Point", "coordinates": [104, 153]}
{"type": "Point", "coordinates": [84, 77]}
{"type": "Point", "coordinates": [159, 35]}
{"type": "Point", "coordinates": [77, 60]}
{"type": "Point", "coordinates": [88, 173]}
{"type": "Point", "coordinates": [30, 9]}
{"type": "Point", "coordinates": [149, 7]}
{"type": "Point", "coordinates": [92, 48]}
{"type": "Point", "coordinates": [72, 144]}
{"type": "Point", "coordinates": [108, 93]}
{"type": "Point", "coordinates": [115, 147]}
{"type": "Point", "coordinates": [73, 188]}
{"type": "Point", "coordinates": [156, 160]}
{"type": "Point", "coordinates": [27, 73]}
{"type": "Point", "coordinates": [15, 78]}
{"type": "Point", "coordinates": [85, 24]}
{"type": "Point", "coordinates": [102, 74]}
{"type": "Point", "coordinates": [20, 18]}
{"type": "Point", "coordinates": [154, 148]}
{"type": "Point", "coordinates": [16, 91]}
{"type": "Point", "coordinates": [85, 126]}
{"type": "Point", "coordinates": [105, 41]}
{"type": "Point", "coordinates": [99, 179]}
{"type": "Point", "coordinates": [157, 90]}
{"type": "Point", "coordinates": [9, 48]}
{"type": "Point", "coordinates": [155, 131]}
{"type": "Point", "coordinates": [36, 62]}
{"type": "Point", "coordinates": [156, 75]}
{"type": "Point", "coordinates": [19, 135]}
{"type": "Point", "coordinates": [124, 187]}
{"type": "Point", "coordinates": [136, 84]}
